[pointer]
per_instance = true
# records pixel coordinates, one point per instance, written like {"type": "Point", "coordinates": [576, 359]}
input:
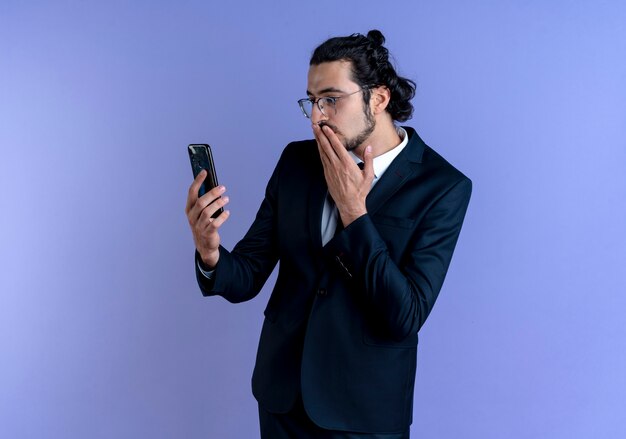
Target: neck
{"type": "Point", "coordinates": [383, 139]}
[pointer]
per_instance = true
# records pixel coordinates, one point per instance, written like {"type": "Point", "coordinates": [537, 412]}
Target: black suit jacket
{"type": "Point", "coordinates": [341, 324]}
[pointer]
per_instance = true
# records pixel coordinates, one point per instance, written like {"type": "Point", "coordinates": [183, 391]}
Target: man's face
{"type": "Point", "coordinates": [351, 119]}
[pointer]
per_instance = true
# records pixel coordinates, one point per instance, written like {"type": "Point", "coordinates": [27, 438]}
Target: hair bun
{"type": "Point", "coordinates": [376, 37]}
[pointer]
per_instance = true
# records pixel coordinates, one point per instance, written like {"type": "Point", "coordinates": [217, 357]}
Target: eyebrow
{"type": "Point", "coordinates": [327, 90]}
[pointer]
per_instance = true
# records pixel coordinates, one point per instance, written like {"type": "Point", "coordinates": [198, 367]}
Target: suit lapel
{"type": "Point", "coordinates": [398, 172]}
{"type": "Point", "coordinates": [315, 202]}
{"type": "Point", "coordinates": [392, 180]}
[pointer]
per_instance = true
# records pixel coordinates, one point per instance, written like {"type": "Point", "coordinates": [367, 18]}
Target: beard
{"type": "Point", "coordinates": [353, 143]}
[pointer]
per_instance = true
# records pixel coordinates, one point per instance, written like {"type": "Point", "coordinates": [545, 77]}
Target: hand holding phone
{"type": "Point", "coordinates": [205, 205]}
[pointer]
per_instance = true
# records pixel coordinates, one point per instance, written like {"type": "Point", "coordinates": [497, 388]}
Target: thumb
{"type": "Point", "coordinates": [368, 160]}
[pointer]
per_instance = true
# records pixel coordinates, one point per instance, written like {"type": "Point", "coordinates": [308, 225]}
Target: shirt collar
{"type": "Point", "coordinates": [382, 162]}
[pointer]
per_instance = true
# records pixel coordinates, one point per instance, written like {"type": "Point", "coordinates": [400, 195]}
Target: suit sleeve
{"type": "Point", "coordinates": [404, 293]}
{"type": "Point", "coordinates": [239, 275]}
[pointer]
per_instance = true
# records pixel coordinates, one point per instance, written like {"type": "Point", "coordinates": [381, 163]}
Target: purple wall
{"type": "Point", "coordinates": [103, 332]}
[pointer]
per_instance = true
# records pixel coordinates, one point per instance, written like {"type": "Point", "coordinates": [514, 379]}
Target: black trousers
{"type": "Point", "coordinates": [297, 425]}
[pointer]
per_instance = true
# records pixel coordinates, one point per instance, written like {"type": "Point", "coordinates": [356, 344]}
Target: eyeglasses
{"type": "Point", "coordinates": [327, 104]}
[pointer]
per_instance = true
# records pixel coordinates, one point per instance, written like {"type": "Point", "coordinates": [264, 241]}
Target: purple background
{"type": "Point", "coordinates": [103, 331]}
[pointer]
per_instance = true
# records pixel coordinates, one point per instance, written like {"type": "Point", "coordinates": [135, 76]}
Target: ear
{"type": "Point", "coordinates": [380, 99]}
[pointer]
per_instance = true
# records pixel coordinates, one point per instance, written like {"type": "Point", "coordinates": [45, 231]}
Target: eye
{"type": "Point", "coordinates": [330, 101]}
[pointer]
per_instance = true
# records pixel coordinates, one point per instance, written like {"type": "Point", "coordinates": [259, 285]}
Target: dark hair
{"type": "Point", "coordinates": [370, 65]}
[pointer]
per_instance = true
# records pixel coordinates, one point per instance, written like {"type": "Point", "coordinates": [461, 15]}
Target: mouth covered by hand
{"type": "Point", "coordinates": [323, 123]}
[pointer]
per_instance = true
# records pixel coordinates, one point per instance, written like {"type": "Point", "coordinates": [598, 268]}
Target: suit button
{"type": "Point", "coordinates": [322, 292]}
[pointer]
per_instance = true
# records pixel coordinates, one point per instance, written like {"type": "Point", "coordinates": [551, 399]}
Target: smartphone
{"type": "Point", "coordinates": [201, 158]}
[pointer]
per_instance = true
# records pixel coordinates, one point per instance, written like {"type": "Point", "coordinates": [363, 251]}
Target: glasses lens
{"type": "Point", "coordinates": [327, 105]}
{"type": "Point", "coordinates": [306, 106]}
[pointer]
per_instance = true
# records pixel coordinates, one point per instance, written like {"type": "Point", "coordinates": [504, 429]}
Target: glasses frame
{"type": "Point", "coordinates": [330, 100]}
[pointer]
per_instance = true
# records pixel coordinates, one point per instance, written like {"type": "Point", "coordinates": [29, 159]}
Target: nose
{"type": "Point", "coordinates": [316, 115]}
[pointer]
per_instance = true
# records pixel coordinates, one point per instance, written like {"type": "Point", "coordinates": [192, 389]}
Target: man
{"type": "Point", "coordinates": [363, 252]}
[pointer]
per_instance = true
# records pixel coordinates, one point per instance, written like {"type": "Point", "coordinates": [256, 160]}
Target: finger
{"type": "Point", "coordinates": [338, 148]}
{"type": "Point", "coordinates": [206, 216]}
{"type": "Point", "coordinates": [325, 159]}
{"type": "Point", "coordinates": [204, 201]}
{"type": "Point", "coordinates": [192, 196]}
{"type": "Point", "coordinates": [324, 143]}
{"type": "Point", "coordinates": [211, 195]}
{"type": "Point", "coordinates": [323, 156]}
{"type": "Point", "coordinates": [368, 160]}
{"type": "Point", "coordinates": [217, 222]}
